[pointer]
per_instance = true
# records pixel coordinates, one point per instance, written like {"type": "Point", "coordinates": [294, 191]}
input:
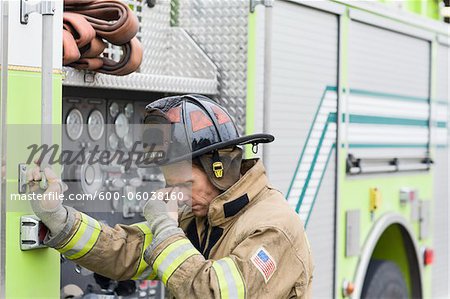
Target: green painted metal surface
{"type": "Point", "coordinates": [355, 195]}
{"type": "Point", "coordinates": [30, 274]}
{"type": "Point", "coordinates": [432, 9]}
{"type": "Point", "coordinates": [174, 13]}
{"type": "Point", "coordinates": [425, 8]}
{"type": "Point", "coordinates": [414, 6]}
{"type": "Point", "coordinates": [36, 273]}
{"type": "Point", "coordinates": [251, 79]}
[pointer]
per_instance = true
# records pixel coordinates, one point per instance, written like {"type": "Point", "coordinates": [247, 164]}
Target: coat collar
{"type": "Point", "coordinates": [241, 195]}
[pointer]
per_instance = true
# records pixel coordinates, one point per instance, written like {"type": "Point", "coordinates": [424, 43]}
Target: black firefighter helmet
{"type": "Point", "coordinates": [190, 126]}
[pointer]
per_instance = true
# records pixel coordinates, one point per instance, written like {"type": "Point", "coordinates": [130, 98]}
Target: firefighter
{"type": "Point", "coordinates": [235, 235]}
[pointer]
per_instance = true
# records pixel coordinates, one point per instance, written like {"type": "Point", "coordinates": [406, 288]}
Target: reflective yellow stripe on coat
{"type": "Point", "coordinates": [230, 280]}
{"type": "Point", "coordinates": [144, 271]}
{"type": "Point", "coordinates": [172, 257]}
{"type": "Point", "coordinates": [84, 238]}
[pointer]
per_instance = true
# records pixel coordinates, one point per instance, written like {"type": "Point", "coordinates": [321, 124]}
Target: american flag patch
{"type": "Point", "coordinates": [264, 262]}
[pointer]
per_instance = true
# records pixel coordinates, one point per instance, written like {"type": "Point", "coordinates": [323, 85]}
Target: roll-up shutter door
{"type": "Point", "coordinates": [388, 106]}
{"type": "Point", "coordinates": [301, 161]}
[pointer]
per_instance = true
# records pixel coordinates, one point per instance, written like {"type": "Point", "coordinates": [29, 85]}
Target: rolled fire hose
{"type": "Point", "coordinates": [81, 30]}
{"type": "Point", "coordinates": [111, 19]}
{"type": "Point", "coordinates": [130, 61]}
{"type": "Point", "coordinates": [92, 64]}
{"type": "Point", "coordinates": [87, 23]}
{"type": "Point", "coordinates": [70, 48]}
{"type": "Point", "coordinates": [77, 2]}
{"type": "Point", "coordinates": [93, 49]}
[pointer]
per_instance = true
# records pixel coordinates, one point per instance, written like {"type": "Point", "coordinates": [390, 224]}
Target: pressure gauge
{"type": "Point", "coordinates": [128, 141]}
{"type": "Point", "coordinates": [74, 124]}
{"type": "Point", "coordinates": [121, 125]}
{"type": "Point", "coordinates": [129, 110]}
{"type": "Point", "coordinates": [91, 177]}
{"type": "Point", "coordinates": [114, 109]}
{"type": "Point", "coordinates": [113, 141]}
{"type": "Point", "coordinates": [96, 125]}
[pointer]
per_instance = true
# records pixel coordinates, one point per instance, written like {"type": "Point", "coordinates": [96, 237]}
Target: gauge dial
{"type": "Point", "coordinates": [128, 141]}
{"type": "Point", "coordinates": [129, 110]}
{"type": "Point", "coordinates": [121, 125]}
{"type": "Point", "coordinates": [113, 141]}
{"type": "Point", "coordinates": [74, 124]}
{"type": "Point", "coordinates": [91, 177]}
{"type": "Point", "coordinates": [114, 109]}
{"type": "Point", "coordinates": [96, 125]}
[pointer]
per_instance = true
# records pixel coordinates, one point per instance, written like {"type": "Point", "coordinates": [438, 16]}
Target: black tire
{"type": "Point", "coordinates": [384, 280]}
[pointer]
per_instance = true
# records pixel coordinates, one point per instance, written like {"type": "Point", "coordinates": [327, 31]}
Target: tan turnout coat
{"type": "Point", "coordinates": [251, 245]}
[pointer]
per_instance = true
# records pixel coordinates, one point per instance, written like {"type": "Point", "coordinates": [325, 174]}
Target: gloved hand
{"type": "Point", "coordinates": [161, 215]}
{"type": "Point", "coordinates": [50, 209]}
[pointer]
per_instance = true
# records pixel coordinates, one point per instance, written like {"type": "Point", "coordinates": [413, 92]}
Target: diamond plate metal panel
{"type": "Point", "coordinates": [172, 62]}
{"type": "Point", "coordinates": [220, 29]}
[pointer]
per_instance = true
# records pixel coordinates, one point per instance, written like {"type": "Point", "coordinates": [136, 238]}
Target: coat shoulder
{"type": "Point", "coordinates": [271, 211]}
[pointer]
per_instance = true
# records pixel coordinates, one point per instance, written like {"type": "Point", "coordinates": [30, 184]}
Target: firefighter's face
{"type": "Point", "coordinates": [192, 181]}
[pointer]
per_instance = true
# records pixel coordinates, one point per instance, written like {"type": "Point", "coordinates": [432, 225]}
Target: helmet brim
{"type": "Point", "coordinates": [254, 139]}
{"type": "Point", "coordinates": [250, 139]}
